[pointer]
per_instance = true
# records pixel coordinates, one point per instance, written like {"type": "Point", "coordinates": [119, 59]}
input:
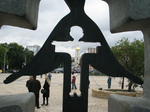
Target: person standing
{"type": "Point", "coordinates": [109, 82]}
{"type": "Point", "coordinates": [49, 76]}
{"type": "Point", "coordinates": [89, 83]}
{"type": "Point", "coordinates": [73, 82]}
{"type": "Point", "coordinates": [35, 87]}
{"type": "Point", "coordinates": [28, 82]}
{"type": "Point", "coordinates": [46, 88]}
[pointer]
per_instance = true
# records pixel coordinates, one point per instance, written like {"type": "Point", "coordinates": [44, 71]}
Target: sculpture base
{"type": "Point", "coordinates": [118, 103]}
{"type": "Point", "coordinates": [17, 103]}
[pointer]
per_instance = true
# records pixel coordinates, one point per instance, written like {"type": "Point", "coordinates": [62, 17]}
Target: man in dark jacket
{"type": "Point", "coordinates": [28, 83]}
{"type": "Point", "coordinates": [35, 87]}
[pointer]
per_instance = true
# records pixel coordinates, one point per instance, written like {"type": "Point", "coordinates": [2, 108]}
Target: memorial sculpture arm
{"type": "Point", "coordinates": [105, 62]}
{"type": "Point", "coordinates": [47, 60]}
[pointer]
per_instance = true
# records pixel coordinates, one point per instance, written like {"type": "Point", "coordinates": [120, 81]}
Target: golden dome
{"type": "Point", "coordinates": [77, 48]}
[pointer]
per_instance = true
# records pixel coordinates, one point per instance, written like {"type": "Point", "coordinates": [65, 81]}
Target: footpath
{"type": "Point", "coordinates": [55, 100]}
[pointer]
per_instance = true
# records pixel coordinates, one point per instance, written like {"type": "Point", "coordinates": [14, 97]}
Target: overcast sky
{"type": "Point", "coordinates": [50, 13]}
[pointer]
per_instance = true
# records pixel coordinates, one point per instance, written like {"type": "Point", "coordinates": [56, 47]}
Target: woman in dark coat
{"type": "Point", "coordinates": [46, 87]}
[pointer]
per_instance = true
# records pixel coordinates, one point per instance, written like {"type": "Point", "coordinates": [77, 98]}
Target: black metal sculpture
{"type": "Point", "coordinates": [47, 59]}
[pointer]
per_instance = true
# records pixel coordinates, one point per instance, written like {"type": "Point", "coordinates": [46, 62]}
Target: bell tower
{"type": "Point", "coordinates": [77, 55]}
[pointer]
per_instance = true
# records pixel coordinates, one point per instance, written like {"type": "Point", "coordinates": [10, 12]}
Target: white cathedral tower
{"type": "Point", "coordinates": [77, 55]}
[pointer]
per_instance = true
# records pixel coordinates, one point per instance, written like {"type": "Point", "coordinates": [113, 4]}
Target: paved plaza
{"type": "Point", "coordinates": [55, 100]}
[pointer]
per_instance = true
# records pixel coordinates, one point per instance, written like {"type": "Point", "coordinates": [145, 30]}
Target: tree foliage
{"type": "Point", "coordinates": [131, 56]}
{"type": "Point", "coordinates": [16, 55]}
{"type": "Point", "coordinates": [2, 51]}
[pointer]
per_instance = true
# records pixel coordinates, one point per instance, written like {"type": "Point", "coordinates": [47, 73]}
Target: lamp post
{"type": "Point", "coordinates": [24, 63]}
{"type": "Point", "coordinates": [5, 59]}
{"type": "Point", "coordinates": [25, 60]}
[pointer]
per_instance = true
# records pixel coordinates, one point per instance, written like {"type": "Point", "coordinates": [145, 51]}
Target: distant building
{"type": "Point", "coordinates": [34, 48]}
{"type": "Point", "coordinates": [91, 50]}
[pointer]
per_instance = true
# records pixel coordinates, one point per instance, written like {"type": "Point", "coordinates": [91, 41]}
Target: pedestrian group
{"type": "Point", "coordinates": [34, 86]}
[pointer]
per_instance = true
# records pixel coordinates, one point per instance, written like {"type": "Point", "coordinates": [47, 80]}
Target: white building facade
{"type": "Point", "coordinates": [91, 50]}
{"type": "Point", "coordinates": [34, 48]}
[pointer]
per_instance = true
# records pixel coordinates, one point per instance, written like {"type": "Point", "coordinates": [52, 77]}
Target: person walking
{"type": "Point", "coordinates": [35, 87]}
{"type": "Point", "coordinates": [73, 82]}
{"type": "Point", "coordinates": [46, 88]}
{"type": "Point", "coordinates": [109, 82]}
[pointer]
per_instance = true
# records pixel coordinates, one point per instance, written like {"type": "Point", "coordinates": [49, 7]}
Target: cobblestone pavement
{"type": "Point", "coordinates": [55, 100]}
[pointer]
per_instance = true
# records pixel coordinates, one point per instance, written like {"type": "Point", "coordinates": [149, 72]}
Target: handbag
{"type": "Point", "coordinates": [43, 91]}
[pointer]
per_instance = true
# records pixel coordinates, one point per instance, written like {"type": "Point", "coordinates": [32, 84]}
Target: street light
{"type": "Point", "coordinates": [25, 60]}
{"type": "Point", "coordinates": [5, 59]}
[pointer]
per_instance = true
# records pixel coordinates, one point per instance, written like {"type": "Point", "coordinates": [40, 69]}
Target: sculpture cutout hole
{"type": "Point", "coordinates": [76, 32]}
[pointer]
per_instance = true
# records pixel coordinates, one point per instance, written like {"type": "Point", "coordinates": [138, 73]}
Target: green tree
{"type": "Point", "coordinates": [17, 55]}
{"type": "Point", "coordinates": [2, 51]}
{"type": "Point", "coordinates": [131, 57]}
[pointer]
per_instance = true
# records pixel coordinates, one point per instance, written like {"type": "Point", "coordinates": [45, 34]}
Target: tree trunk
{"type": "Point", "coordinates": [122, 87]}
